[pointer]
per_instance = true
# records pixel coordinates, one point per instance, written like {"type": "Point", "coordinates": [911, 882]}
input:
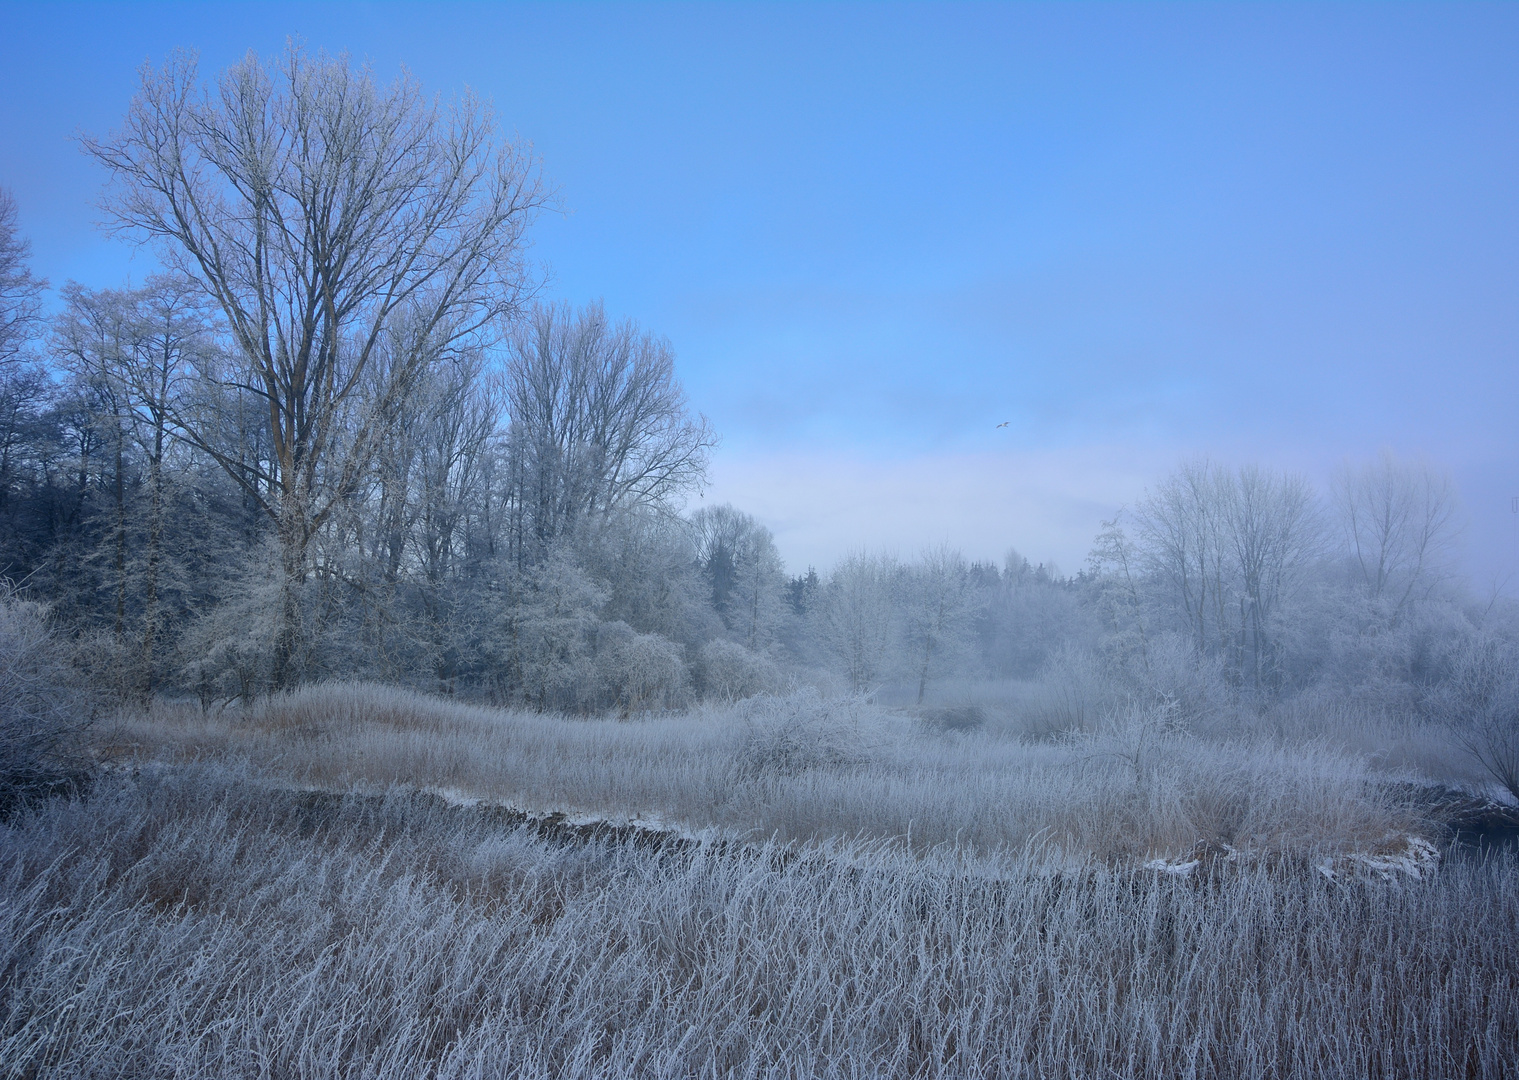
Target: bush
{"type": "Point", "coordinates": [1480, 701]}
{"type": "Point", "coordinates": [41, 709]}
{"type": "Point", "coordinates": [638, 672]}
{"type": "Point", "coordinates": [1179, 683]}
{"type": "Point", "coordinates": [1072, 693]}
{"type": "Point", "coordinates": [967, 716]}
{"type": "Point", "coordinates": [730, 672]}
{"type": "Point", "coordinates": [789, 735]}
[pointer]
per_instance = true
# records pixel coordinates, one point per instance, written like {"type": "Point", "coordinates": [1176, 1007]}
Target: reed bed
{"type": "Point", "coordinates": [206, 922]}
{"type": "Point", "coordinates": [807, 768]}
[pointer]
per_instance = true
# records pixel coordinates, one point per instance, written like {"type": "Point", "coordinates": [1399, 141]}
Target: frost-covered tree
{"type": "Point", "coordinates": [599, 428]}
{"type": "Point", "coordinates": [1398, 521]}
{"type": "Point", "coordinates": [937, 605]}
{"type": "Point", "coordinates": [1224, 552]}
{"type": "Point", "coordinates": [25, 429]}
{"type": "Point", "coordinates": [544, 621]}
{"type": "Point", "coordinates": [315, 206]}
{"type": "Point", "coordinates": [20, 290]}
{"type": "Point", "coordinates": [744, 573]}
{"type": "Point", "coordinates": [857, 617]}
{"type": "Point", "coordinates": [133, 353]}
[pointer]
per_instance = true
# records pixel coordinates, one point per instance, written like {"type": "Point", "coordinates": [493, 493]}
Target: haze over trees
{"type": "Point", "coordinates": [341, 437]}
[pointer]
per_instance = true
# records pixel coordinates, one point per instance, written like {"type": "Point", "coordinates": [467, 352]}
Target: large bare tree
{"type": "Point", "coordinates": [318, 207]}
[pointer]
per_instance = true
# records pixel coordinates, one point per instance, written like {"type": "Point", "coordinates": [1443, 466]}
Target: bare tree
{"type": "Point", "coordinates": [23, 385]}
{"type": "Point", "coordinates": [316, 206]}
{"type": "Point", "coordinates": [95, 337]}
{"type": "Point", "coordinates": [20, 291]}
{"type": "Point", "coordinates": [136, 351]}
{"type": "Point", "coordinates": [858, 617]}
{"type": "Point", "coordinates": [430, 477]}
{"type": "Point", "coordinates": [938, 609]}
{"type": "Point", "coordinates": [1273, 533]}
{"type": "Point", "coordinates": [1226, 549]}
{"type": "Point", "coordinates": [1398, 520]}
{"type": "Point", "coordinates": [598, 425]}
{"type": "Point", "coordinates": [1180, 530]}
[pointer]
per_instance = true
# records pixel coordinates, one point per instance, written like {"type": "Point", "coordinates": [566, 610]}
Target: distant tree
{"type": "Point", "coordinates": [857, 618]}
{"type": "Point", "coordinates": [94, 339]}
{"type": "Point", "coordinates": [1398, 520]}
{"type": "Point", "coordinates": [25, 392]}
{"type": "Point", "coordinates": [648, 561]}
{"type": "Point", "coordinates": [938, 610]}
{"type": "Point", "coordinates": [802, 592]}
{"type": "Point", "coordinates": [542, 645]}
{"type": "Point", "coordinates": [1275, 534]}
{"type": "Point", "coordinates": [1115, 578]}
{"type": "Point", "coordinates": [1025, 613]}
{"type": "Point", "coordinates": [1180, 530]}
{"type": "Point", "coordinates": [1226, 550]}
{"type": "Point", "coordinates": [744, 573]}
{"type": "Point", "coordinates": [316, 208]}
{"type": "Point", "coordinates": [132, 352]}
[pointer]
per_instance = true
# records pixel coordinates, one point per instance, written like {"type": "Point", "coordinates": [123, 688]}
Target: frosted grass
{"type": "Point", "coordinates": [201, 922]}
{"type": "Point", "coordinates": [806, 768]}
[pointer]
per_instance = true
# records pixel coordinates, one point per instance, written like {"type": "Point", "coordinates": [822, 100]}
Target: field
{"type": "Point", "coordinates": [357, 881]}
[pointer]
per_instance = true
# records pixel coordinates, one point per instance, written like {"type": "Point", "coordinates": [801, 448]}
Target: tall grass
{"type": "Point", "coordinates": [201, 922]}
{"type": "Point", "coordinates": [807, 768]}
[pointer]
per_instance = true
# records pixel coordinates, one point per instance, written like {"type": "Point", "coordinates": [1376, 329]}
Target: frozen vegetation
{"type": "Point", "coordinates": [373, 704]}
{"type": "Point", "coordinates": [205, 922]}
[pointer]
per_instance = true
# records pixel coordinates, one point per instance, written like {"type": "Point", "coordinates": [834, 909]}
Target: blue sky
{"type": "Point", "coordinates": [1287, 234]}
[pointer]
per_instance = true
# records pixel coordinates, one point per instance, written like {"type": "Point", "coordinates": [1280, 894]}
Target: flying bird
{"type": "Point", "coordinates": [1004, 424]}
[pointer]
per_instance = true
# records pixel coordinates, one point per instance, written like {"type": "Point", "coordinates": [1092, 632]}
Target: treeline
{"type": "Point", "coordinates": [341, 437]}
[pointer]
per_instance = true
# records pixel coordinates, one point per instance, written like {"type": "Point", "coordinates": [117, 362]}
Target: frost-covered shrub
{"type": "Point", "coordinates": [1480, 701]}
{"type": "Point", "coordinates": [637, 672]}
{"type": "Point", "coordinates": [963, 717]}
{"type": "Point", "coordinates": [730, 672]}
{"type": "Point", "coordinates": [1149, 786]}
{"type": "Point", "coordinates": [41, 707]}
{"type": "Point", "coordinates": [788, 735]}
{"type": "Point", "coordinates": [227, 651]}
{"type": "Point", "coordinates": [1072, 693]}
{"type": "Point", "coordinates": [110, 664]}
{"type": "Point", "coordinates": [1179, 683]}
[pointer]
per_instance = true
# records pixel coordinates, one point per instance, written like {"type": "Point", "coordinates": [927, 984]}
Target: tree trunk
{"type": "Point", "coordinates": [150, 586]}
{"type": "Point", "coordinates": [121, 536]}
{"type": "Point", "coordinates": [288, 643]}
